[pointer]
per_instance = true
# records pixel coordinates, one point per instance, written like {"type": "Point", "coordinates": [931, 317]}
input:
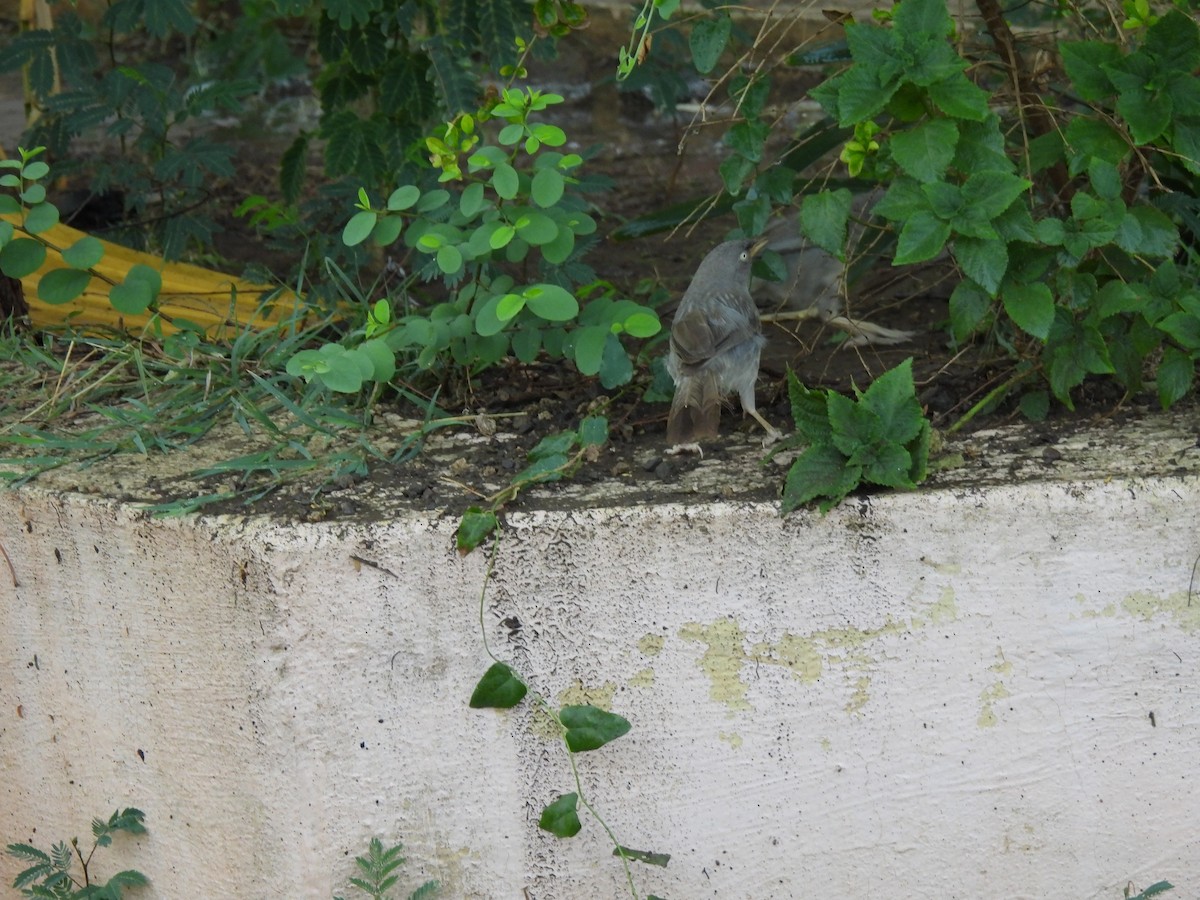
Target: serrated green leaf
{"type": "Point", "coordinates": [922, 237]}
{"type": "Point", "coordinates": [500, 687]}
{"type": "Point", "coordinates": [893, 398]}
{"type": "Point", "coordinates": [824, 217]}
{"type": "Point", "coordinates": [560, 817]}
{"type": "Point", "coordinates": [888, 464]}
{"type": "Point", "coordinates": [926, 150]}
{"type": "Point", "coordinates": [1031, 307]}
{"type": "Point", "coordinates": [810, 412]}
{"type": "Point", "coordinates": [959, 97]}
{"type": "Point", "coordinates": [589, 727]}
{"type": "Point", "coordinates": [820, 471]}
{"type": "Point", "coordinates": [475, 526]}
{"type": "Point", "coordinates": [1085, 62]}
{"type": "Point", "coordinates": [983, 261]}
{"type": "Point", "coordinates": [969, 305]}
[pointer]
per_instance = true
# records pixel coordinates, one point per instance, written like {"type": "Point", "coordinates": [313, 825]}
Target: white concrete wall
{"type": "Point", "coordinates": [941, 694]}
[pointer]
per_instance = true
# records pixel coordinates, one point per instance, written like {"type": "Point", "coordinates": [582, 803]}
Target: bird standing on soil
{"type": "Point", "coordinates": [716, 341]}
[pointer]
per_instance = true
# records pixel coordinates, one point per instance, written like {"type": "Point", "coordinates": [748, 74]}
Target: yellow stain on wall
{"type": "Point", "coordinates": [651, 644]}
{"type": "Point", "coordinates": [1181, 606]}
{"type": "Point", "coordinates": [806, 656]}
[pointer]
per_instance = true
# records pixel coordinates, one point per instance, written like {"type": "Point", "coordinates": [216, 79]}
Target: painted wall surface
{"type": "Point", "coordinates": [962, 692]}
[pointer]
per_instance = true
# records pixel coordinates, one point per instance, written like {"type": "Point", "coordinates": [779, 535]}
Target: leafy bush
{"type": "Point", "coordinates": [50, 874]}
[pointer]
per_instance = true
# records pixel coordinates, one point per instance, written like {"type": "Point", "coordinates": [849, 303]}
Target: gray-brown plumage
{"type": "Point", "coordinates": [716, 341]}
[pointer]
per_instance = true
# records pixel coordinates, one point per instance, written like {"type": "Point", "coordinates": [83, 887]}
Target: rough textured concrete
{"type": "Point", "coordinates": [981, 689]}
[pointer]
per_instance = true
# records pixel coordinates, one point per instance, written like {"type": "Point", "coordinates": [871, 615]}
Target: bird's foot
{"type": "Point", "coordinates": [680, 449]}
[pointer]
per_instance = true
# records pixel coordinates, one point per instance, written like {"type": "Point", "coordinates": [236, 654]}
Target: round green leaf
{"type": "Point", "coordinates": [62, 285]}
{"type": "Point", "coordinates": [381, 357]}
{"type": "Point", "coordinates": [642, 324]}
{"type": "Point", "coordinates": [359, 228]}
{"type": "Point", "coordinates": [557, 250]}
{"type": "Point", "coordinates": [526, 344]}
{"type": "Point", "coordinates": [537, 228]}
{"type": "Point", "coordinates": [510, 134]}
{"type": "Point", "coordinates": [509, 306]}
{"type": "Point", "coordinates": [501, 236]}
{"type": "Point", "coordinates": [471, 200]}
{"type": "Point", "coordinates": [589, 348]}
{"type": "Point", "coordinates": [84, 253]}
{"type": "Point", "coordinates": [386, 230]}
{"type": "Point", "coordinates": [550, 135]}
{"type": "Point", "coordinates": [449, 259]}
{"type": "Point", "coordinates": [487, 322]}
{"type": "Point", "coordinates": [22, 256]}
{"type": "Point", "coordinates": [41, 218]}
{"type": "Point", "coordinates": [35, 170]}
{"type": "Point", "coordinates": [506, 181]}
{"type": "Point", "coordinates": [131, 297]}
{"type": "Point", "coordinates": [551, 302]}
{"type": "Point", "coordinates": [140, 272]}
{"type": "Point", "coordinates": [403, 197]}
{"type": "Point", "coordinates": [9, 205]}
{"type": "Point", "coordinates": [433, 200]}
{"type": "Point", "coordinates": [33, 195]}
{"type": "Point", "coordinates": [547, 187]}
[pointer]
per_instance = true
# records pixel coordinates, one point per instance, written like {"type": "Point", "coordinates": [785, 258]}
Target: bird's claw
{"type": "Point", "coordinates": [680, 449]}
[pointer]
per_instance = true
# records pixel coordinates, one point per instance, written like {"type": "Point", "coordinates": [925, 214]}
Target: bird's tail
{"type": "Point", "coordinates": [696, 410]}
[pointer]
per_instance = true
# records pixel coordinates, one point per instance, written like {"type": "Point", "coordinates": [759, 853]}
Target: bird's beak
{"type": "Point", "coordinates": [757, 247]}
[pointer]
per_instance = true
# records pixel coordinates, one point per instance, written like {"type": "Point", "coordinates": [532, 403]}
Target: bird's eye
{"type": "Point", "coordinates": [745, 256]}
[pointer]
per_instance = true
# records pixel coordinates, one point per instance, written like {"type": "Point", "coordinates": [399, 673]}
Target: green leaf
{"type": "Point", "coordinates": [1088, 137]}
{"type": "Point", "coordinates": [1146, 113]}
{"type": "Point", "coordinates": [1085, 62]}
{"type": "Point", "coordinates": [505, 181]}
{"type": "Point", "coordinates": [62, 285]}
{"type": "Point", "coordinates": [642, 324]}
{"type": "Point", "coordinates": [1184, 329]}
{"type": "Point", "coordinates": [449, 259]}
{"type": "Point", "coordinates": [644, 856]}
{"type": "Point", "coordinates": [708, 40]}
{"type": "Point", "coordinates": [1176, 373]}
{"type": "Point", "coordinates": [589, 728]}
{"type": "Point", "coordinates": [84, 253]}
{"type": "Point", "coordinates": [381, 357]}
{"type": "Point", "coordinates": [499, 688]}
{"type": "Point", "coordinates": [403, 197]}
{"type": "Point", "coordinates": [1154, 235]}
{"type": "Point", "coordinates": [983, 261]}
{"type": "Point", "coordinates": [1031, 307]}
{"type": "Point", "coordinates": [969, 305]}
{"type": "Point", "coordinates": [820, 471]}
{"type": "Point", "coordinates": [547, 186]}
{"type": "Point", "coordinates": [888, 464]}
{"type": "Point", "coordinates": [922, 237]}
{"type": "Point", "coordinates": [810, 412]}
{"type": "Point", "coordinates": [476, 524]}
{"type": "Point", "coordinates": [359, 228]}
{"type": "Point", "coordinates": [41, 218]}
{"type": "Point", "coordinates": [593, 431]}
{"type": "Point", "coordinates": [551, 302]}
{"type": "Point", "coordinates": [536, 228]}
{"type": "Point", "coordinates": [824, 218]}
{"type": "Point", "coordinates": [928, 18]}
{"type": "Point", "coordinates": [959, 97]}
{"type": "Point", "coordinates": [22, 256]}
{"type": "Point", "coordinates": [855, 425]}
{"type": "Point", "coordinates": [991, 193]}
{"type": "Point", "coordinates": [925, 151]}
{"type": "Point", "coordinates": [616, 368]}
{"type": "Point", "coordinates": [588, 348]}
{"type": "Point", "coordinates": [560, 817]}
{"type": "Point", "coordinates": [893, 398]}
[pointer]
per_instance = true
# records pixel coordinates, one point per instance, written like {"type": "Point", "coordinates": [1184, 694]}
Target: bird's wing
{"type": "Point", "coordinates": [704, 329]}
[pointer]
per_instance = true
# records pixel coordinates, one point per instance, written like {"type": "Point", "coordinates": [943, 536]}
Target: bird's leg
{"type": "Point", "coordinates": [773, 433]}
